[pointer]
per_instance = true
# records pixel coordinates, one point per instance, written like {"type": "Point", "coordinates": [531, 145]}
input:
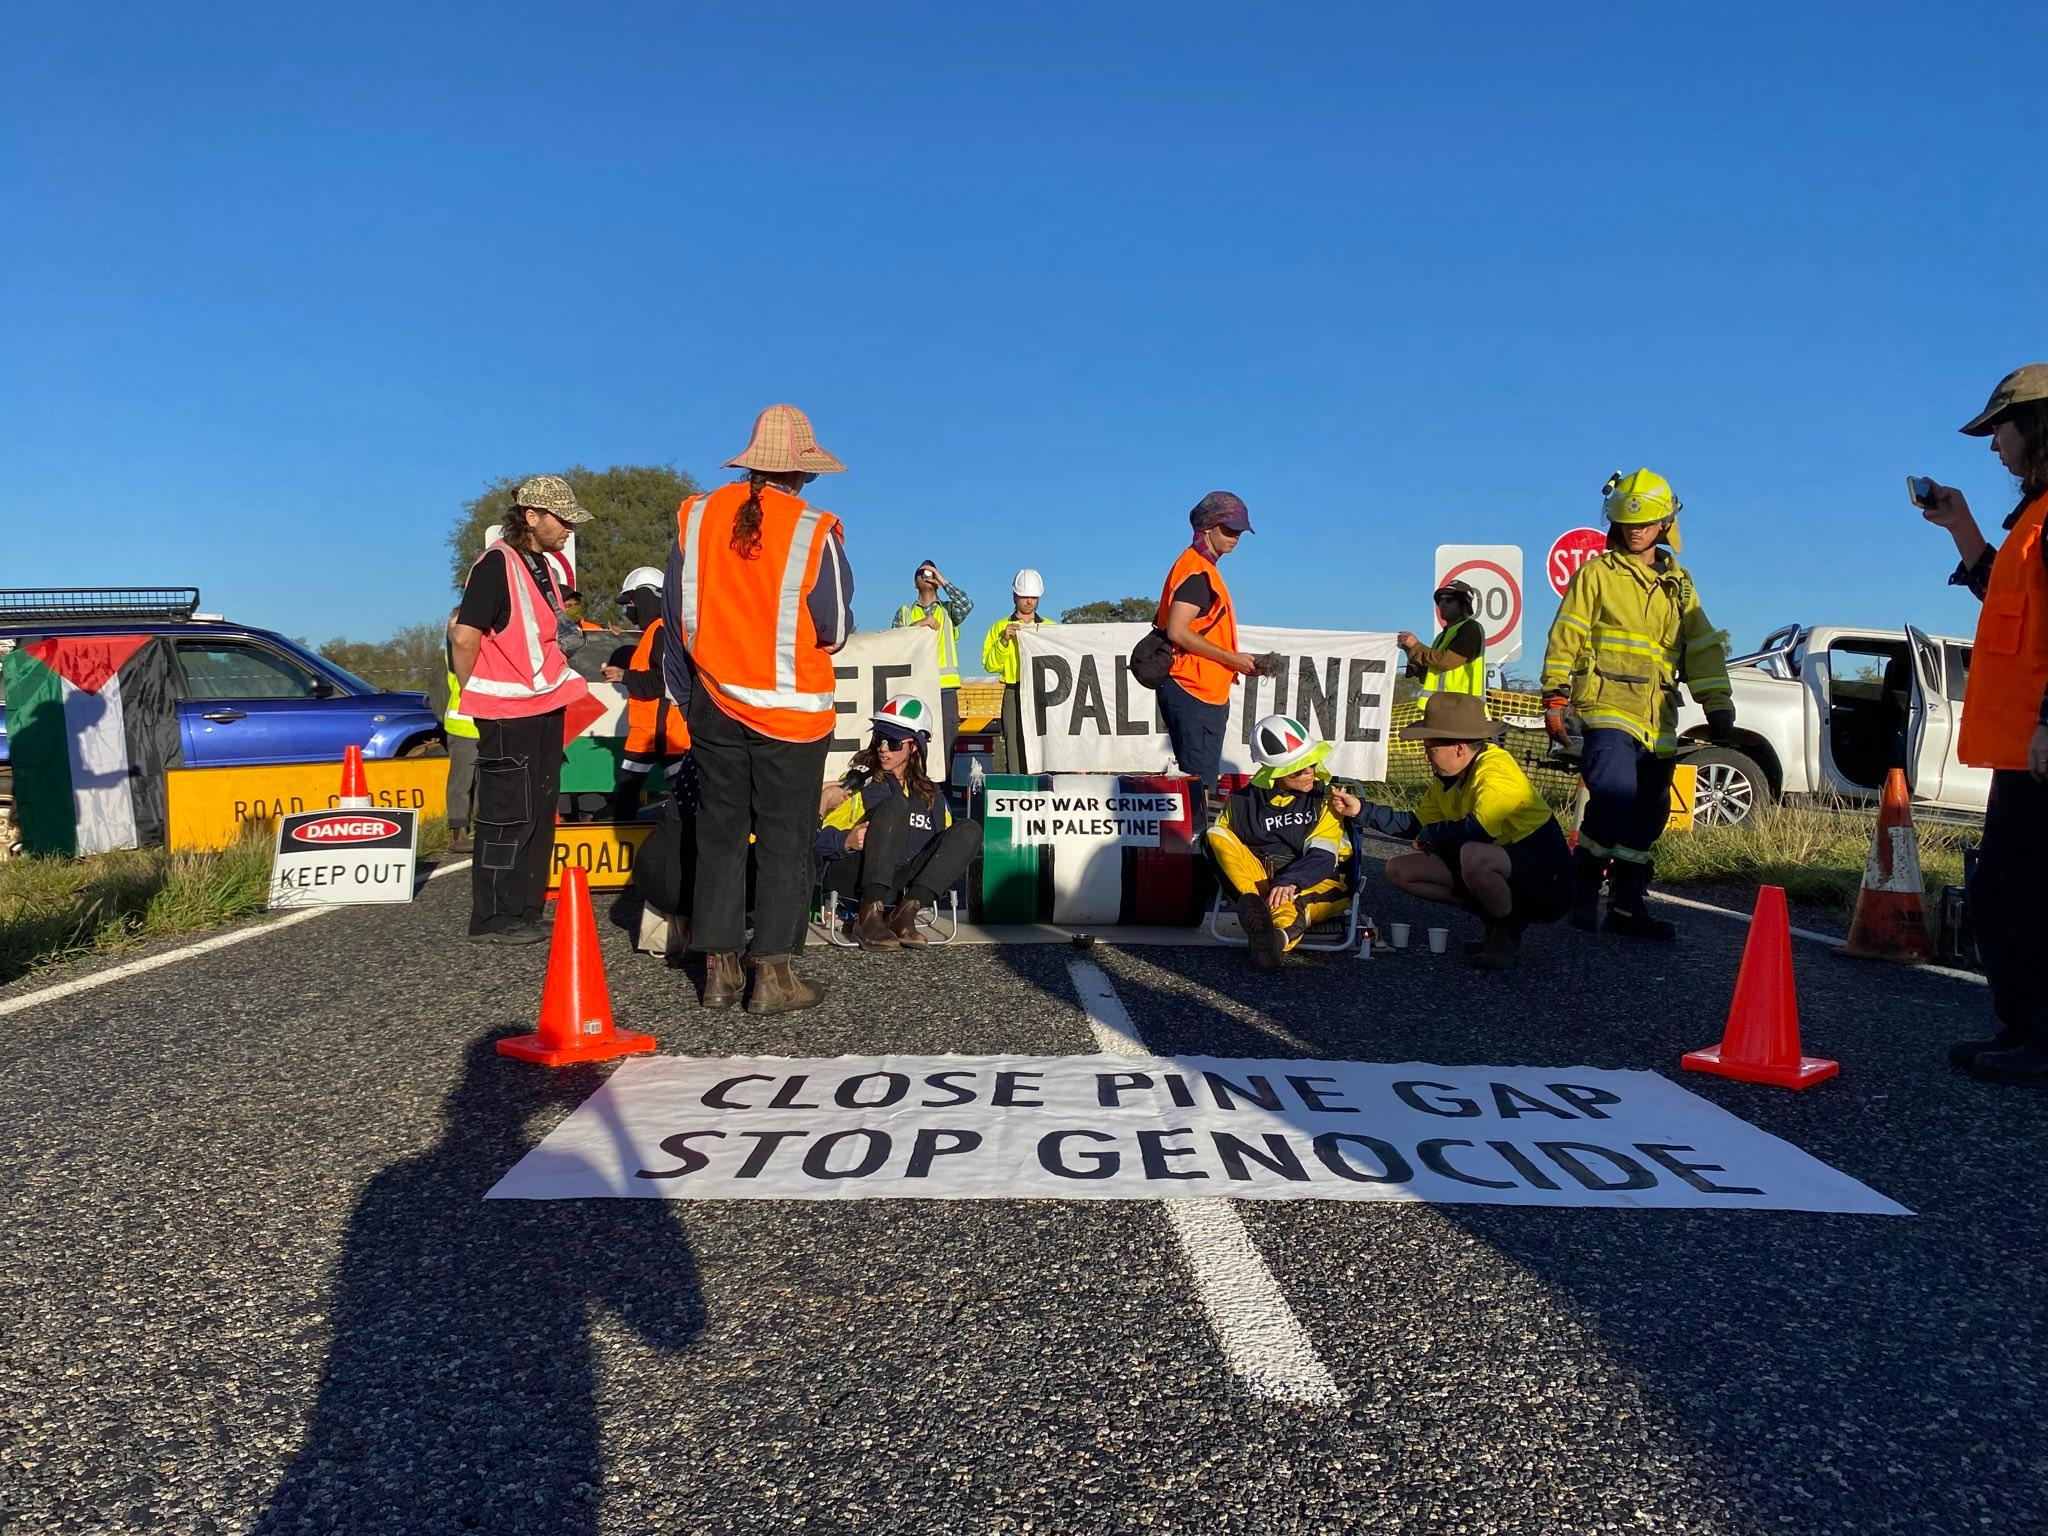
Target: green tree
{"type": "Point", "coordinates": [1125, 610]}
{"type": "Point", "coordinates": [635, 523]}
{"type": "Point", "coordinates": [411, 661]}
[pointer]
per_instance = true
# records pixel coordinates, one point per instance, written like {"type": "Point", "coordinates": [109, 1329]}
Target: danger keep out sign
{"type": "Point", "coordinates": [341, 858]}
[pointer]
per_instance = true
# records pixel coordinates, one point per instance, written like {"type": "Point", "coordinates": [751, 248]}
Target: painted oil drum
{"type": "Point", "coordinates": [1162, 885]}
{"type": "Point", "coordinates": [1008, 890]}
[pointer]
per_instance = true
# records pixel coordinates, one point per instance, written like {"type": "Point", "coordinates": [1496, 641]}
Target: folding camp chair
{"type": "Point", "coordinates": [1332, 934]}
{"type": "Point", "coordinates": [836, 913]}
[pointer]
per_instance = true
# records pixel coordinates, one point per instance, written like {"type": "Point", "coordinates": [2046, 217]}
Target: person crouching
{"type": "Point", "coordinates": [1280, 843]}
{"type": "Point", "coordinates": [1484, 838]}
{"type": "Point", "coordinates": [892, 844]}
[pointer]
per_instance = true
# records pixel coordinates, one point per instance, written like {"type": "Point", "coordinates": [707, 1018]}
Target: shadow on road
{"type": "Point", "coordinates": [457, 1393]}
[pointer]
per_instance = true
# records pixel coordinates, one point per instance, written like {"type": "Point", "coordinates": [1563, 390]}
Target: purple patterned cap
{"type": "Point", "coordinates": [1220, 509]}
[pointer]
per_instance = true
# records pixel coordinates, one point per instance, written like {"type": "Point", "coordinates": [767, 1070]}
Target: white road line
{"type": "Point", "coordinates": [1830, 939]}
{"type": "Point", "coordinates": [184, 952]}
{"type": "Point", "coordinates": [1260, 1335]}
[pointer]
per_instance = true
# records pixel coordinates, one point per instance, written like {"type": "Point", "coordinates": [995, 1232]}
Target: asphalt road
{"type": "Point", "coordinates": [248, 1284]}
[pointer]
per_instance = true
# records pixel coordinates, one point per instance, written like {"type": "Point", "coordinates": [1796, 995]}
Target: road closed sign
{"type": "Point", "coordinates": [1574, 547]}
{"type": "Point", "coordinates": [1494, 571]}
{"type": "Point", "coordinates": [344, 858]}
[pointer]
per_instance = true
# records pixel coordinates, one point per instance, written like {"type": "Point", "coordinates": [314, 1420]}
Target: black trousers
{"type": "Point", "coordinates": [1196, 728]}
{"type": "Point", "coordinates": [518, 776]}
{"type": "Point", "coordinates": [751, 783]}
{"type": "Point", "coordinates": [2009, 901]}
{"type": "Point", "coordinates": [879, 872]}
{"type": "Point", "coordinates": [1010, 750]}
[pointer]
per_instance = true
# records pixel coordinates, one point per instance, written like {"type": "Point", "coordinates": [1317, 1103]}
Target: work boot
{"type": "Point", "coordinates": [1638, 924]}
{"type": "Point", "coordinates": [1628, 907]}
{"type": "Point", "coordinates": [1588, 870]}
{"type": "Point", "coordinates": [903, 923]}
{"type": "Point", "coordinates": [1474, 948]}
{"type": "Point", "coordinates": [1964, 1053]}
{"type": "Point", "coordinates": [724, 981]}
{"type": "Point", "coordinates": [1500, 950]}
{"type": "Point", "coordinates": [1257, 920]}
{"type": "Point", "coordinates": [871, 928]}
{"type": "Point", "coordinates": [2025, 1063]}
{"type": "Point", "coordinates": [458, 842]}
{"type": "Point", "coordinates": [778, 988]}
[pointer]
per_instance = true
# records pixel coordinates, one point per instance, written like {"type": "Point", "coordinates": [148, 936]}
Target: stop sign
{"type": "Point", "coordinates": [1573, 548]}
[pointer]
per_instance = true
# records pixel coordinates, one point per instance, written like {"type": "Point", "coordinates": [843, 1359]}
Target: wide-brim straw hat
{"type": "Point", "coordinates": [1453, 717]}
{"type": "Point", "coordinates": [784, 444]}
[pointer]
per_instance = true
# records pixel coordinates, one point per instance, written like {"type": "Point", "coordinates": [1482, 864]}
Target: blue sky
{"type": "Point", "coordinates": [280, 287]}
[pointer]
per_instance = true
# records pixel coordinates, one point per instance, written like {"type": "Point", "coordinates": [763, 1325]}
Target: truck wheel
{"type": "Point", "coordinates": [1728, 787]}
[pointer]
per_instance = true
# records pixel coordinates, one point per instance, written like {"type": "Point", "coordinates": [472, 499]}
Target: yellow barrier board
{"type": "Point", "coordinates": [604, 852]}
{"type": "Point", "coordinates": [211, 807]}
{"type": "Point", "coordinates": [1684, 786]}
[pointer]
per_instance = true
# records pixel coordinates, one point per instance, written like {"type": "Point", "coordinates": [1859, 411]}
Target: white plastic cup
{"type": "Point", "coordinates": [1397, 935]}
{"type": "Point", "coordinates": [1439, 940]}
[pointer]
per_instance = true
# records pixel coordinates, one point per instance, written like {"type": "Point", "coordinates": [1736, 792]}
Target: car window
{"type": "Point", "coordinates": [1958, 669]}
{"type": "Point", "coordinates": [231, 669]}
{"type": "Point", "coordinates": [1862, 671]}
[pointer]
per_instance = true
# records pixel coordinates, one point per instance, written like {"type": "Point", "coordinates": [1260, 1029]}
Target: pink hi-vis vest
{"type": "Point", "coordinates": [520, 669]}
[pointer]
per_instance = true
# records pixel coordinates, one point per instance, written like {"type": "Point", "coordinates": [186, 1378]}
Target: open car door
{"type": "Point", "coordinates": [1930, 722]}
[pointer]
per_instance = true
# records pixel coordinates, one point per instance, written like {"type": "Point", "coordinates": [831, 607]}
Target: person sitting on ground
{"type": "Point", "coordinates": [892, 843]}
{"type": "Point", "coordinates": [1484, 838]}
{"type": "Point", "coordinates": [1280, 844]}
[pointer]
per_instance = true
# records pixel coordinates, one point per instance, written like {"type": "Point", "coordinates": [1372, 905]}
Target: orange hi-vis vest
{"type": "Point", "coordinates": [520, 669]}
{"type": "Point", "coordinates": [654, 727]}
{"type": "Point", "coordinates": [2009, 664]}
{"type": "Point", "coordinates": [1209, 681]}
{"type": "Point", "coordinates": [745, 622]}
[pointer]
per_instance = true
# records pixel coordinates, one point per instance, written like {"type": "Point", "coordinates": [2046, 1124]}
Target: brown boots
{"type": "Point", "coordinates": [872, 929]}
{"type": "Point", "coordinates": [778, 988]}
{"type": "Point", "coordinates": [903, 923]}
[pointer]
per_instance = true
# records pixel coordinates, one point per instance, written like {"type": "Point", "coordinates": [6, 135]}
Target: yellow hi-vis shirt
{"type": "Point", "coordinates": [1495, 792]}
{"type": "Point", "coordinates": [1625, 636]}
{"type": "Point", "coordinates": [1469, 678]}
{"type": "Point", "coordinates": [1000, 655]}
{"type": "Point", "coordinates": [949, 638]}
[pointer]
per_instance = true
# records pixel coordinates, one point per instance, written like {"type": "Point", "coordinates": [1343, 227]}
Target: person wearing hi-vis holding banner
{"type": "Point", "coordinates": [1197, 620]}
{"type": "Point", "coordinates": [758, 596]}
{"type": "Point", "coordinates": [2005, 727]}
{"type": "Point", "coordinates": [999, 655]}
{"type": "Point", "coordinates": [1629, 631]}
{"type": "Point", "coordinates": [1456, 661]}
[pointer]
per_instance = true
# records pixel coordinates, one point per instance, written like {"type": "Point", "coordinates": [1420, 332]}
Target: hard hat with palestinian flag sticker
{"type": "Point", "coordinates": [904, 717]}
{"type": "Point", "coordinates": [1282, 745]}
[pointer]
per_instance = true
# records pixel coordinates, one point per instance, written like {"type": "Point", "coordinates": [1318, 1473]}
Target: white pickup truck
{"type": "Point", "coordinates": [1826, 711]}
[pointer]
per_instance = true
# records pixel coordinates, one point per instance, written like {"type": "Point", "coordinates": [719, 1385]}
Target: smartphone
{"type": "Point", "coordinates": [1921, 490]}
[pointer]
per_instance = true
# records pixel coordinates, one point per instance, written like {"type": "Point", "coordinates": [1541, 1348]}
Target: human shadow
{"type": "Point", "coordinates": [457, 1394]}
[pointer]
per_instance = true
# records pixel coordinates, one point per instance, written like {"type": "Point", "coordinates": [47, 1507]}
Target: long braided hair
{"type": "Point", "coordinates": [746, 527]}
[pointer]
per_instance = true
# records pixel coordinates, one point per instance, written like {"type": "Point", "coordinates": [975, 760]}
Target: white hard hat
{"type": "Point", "coordinates": [1028, 584]}
{"type": "Point", "coordinates": [641, 576]}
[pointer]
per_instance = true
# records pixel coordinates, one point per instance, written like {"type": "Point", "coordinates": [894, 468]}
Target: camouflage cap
{"type": "Point", "coordinates": [551, 493]}
{"type": "Point", "coordinates": [2016, 388]}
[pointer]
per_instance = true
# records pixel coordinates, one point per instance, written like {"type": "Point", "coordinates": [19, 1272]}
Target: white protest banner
{"type": "Point", "coordinates": [1105, 1128]}
{"type": "Point", "coordinates": [1085, 715]}
{"type": "Point", "coordinates": [869, 668]}
{"type": "Point", "coordinates": [344, 858]}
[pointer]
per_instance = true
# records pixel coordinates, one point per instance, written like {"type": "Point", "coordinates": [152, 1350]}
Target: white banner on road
{"type": "Point", "coordinates": [869, 668]}
{"type": "Point", "coordinates": [1084, 714]}
{"type": "Point", "coordinates": [1102, 1128]}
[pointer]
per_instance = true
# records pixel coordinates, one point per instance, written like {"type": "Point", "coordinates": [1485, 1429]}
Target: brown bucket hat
{"type": "Point", "coordinates": [784, 444]}
{"type": "Point", "coordinates": [2016, 388]}
{"type": "Point", "coordinates": [1453, 717]}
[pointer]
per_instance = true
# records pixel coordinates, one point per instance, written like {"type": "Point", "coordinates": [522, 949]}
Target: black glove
{"type": "Point", "coordinates": [1721, 727]}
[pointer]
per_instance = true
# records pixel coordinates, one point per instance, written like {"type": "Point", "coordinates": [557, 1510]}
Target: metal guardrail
{"type": "Point", "coordinates": [74, 605]}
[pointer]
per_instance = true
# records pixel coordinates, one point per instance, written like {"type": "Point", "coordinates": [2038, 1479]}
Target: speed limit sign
{"type": "Point", "coordinates": [1494, 571]}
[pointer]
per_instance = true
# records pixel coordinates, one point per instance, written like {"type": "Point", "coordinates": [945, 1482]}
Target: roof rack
{"type": "Point", "coordinates": [72, 605]}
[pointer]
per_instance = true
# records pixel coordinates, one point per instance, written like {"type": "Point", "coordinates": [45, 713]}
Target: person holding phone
{"type": "Point", "coordinates": [2005, 726]}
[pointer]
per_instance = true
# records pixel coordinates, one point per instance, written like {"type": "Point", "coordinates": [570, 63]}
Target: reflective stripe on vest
{"type": "Point", "coordinates": [1469, 678]}
{"type": "Point", "coordinates": [654, 726]}
{"type": "Point", "coordinates": [513, 668]}
{"type": "Point", "coordinates": [787, 692]}
{"type": "Point", "coordinates": [2009, 661]}
{"type": "Point", "coordinates": [454, 722]}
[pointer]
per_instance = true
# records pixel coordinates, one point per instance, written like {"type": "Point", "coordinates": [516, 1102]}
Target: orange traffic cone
{"type": "Point", "coordinates": [575, 1005]}
{"type": "Point", "coordinates": [1761, 1042]}
{"type": "Point", "coordinates": [355, 785]}
{"type": "Point", "coordinates": [1891, 909]}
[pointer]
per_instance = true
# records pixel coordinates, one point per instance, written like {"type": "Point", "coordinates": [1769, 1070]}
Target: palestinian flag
{"type": "Point", "coordinates": [91, 726]}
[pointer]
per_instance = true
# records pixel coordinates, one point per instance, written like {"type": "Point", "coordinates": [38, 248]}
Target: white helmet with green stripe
{"type": "Point", "coordinates": [1282, 745]}
{"type": "Point", "coordinates": [903, 717]}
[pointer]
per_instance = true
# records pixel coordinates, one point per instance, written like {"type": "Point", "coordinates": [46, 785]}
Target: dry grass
{"type": "Point", "coordinates": [1817, 854]}
{"type": "Point", "coordinates": [58, 909]}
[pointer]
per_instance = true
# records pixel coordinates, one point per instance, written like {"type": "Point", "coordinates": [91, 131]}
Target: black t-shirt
{"type": "Point", "coordinates": [1468, 640]}
{"type": "Point", "coordinates": [487, 599]}
{"type": "Point", "coordinates": [1196, 589]}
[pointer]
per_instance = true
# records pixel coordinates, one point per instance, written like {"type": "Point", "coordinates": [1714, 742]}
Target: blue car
{"type": "Point", "coordinates": [245, 696]}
